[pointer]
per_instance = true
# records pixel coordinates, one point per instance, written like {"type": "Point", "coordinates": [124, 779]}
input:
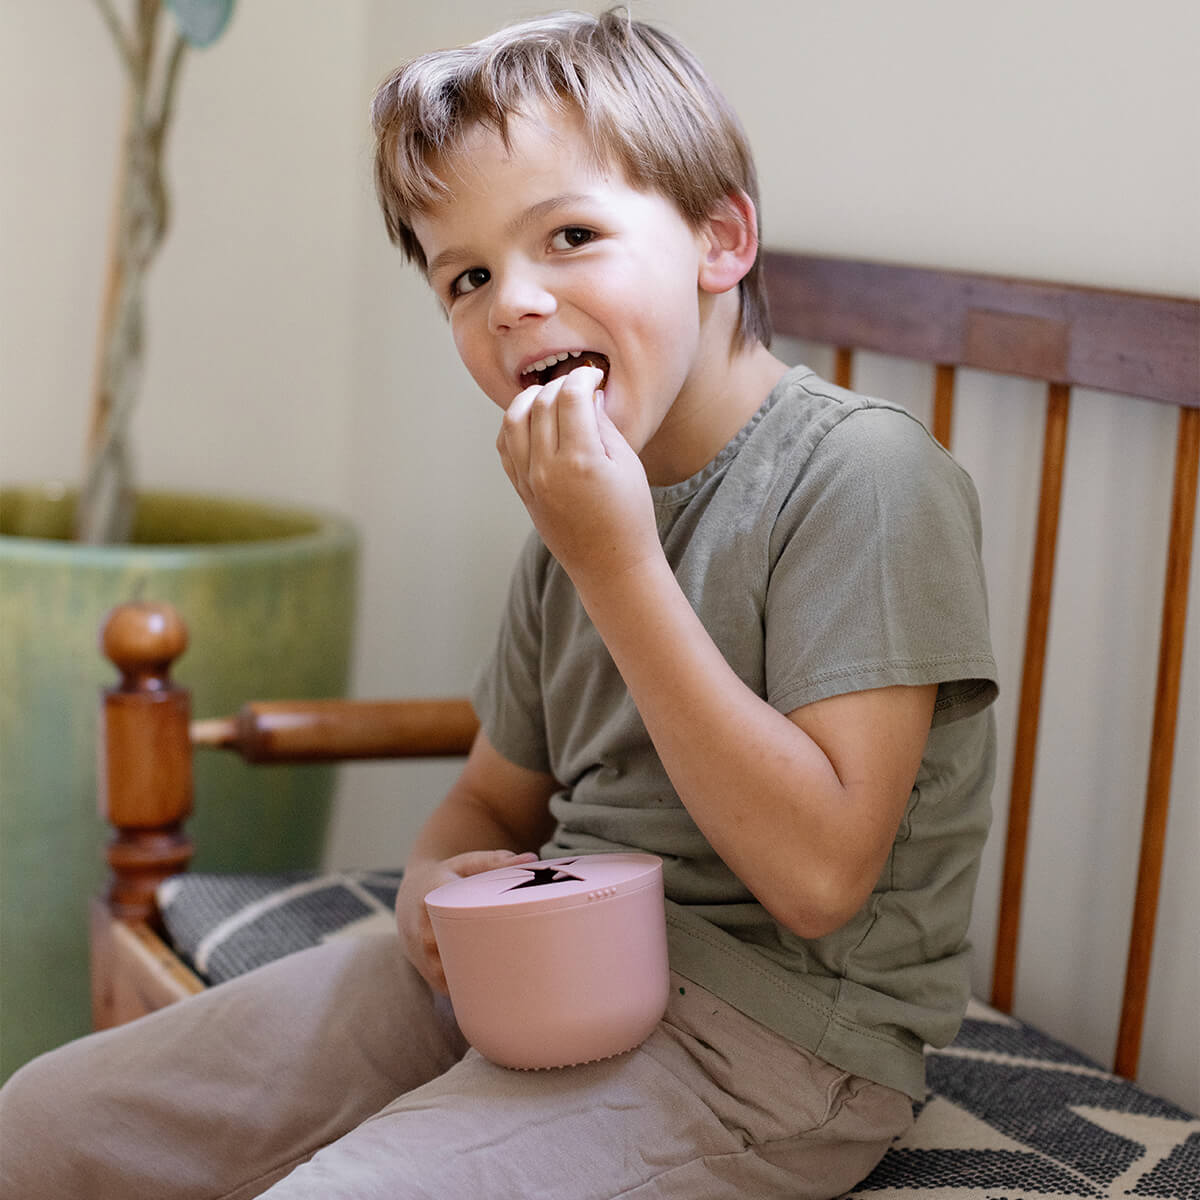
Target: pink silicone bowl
{"type": "Point", "coordinates": [557, 962]}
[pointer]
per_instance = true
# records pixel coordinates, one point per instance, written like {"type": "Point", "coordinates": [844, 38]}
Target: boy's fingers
{"type": "Point", "coordinates": [517, 413]}
{"type": "Point", "coordinates": [506, 461]}
{"type": "Point", "coordinates": [513, 439]}
{"type": "Point", "coordinates": [611, 438]}
{"type": "Point", "coordinates": [576, 408]}
{"type": "Point", "coordinates": [472, 862]}
{"type": "Point", "coordinates": [543, 421]}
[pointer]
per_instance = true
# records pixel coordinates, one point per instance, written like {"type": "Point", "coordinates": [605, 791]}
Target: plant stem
{"type": "Point", "coordinates": [105, 507]}
{"type": "Point", "coordinates": [120, 37]}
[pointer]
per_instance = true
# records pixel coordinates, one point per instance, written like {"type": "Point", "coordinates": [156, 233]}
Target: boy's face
{"type": "Point", "coordinates": [539, 252]}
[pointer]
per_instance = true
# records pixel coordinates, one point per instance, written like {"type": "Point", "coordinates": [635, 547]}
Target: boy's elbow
{"type": "Point", "coordinates": [811, 923]}
{"type": "Point", "coordinates": [823, 905]}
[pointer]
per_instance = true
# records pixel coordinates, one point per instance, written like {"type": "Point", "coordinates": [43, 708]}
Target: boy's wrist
{"type": "Point", "coordinates": [618, 595]}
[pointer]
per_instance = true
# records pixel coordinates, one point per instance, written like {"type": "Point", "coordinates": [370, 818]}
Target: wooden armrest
{"type": "Point", "coordinates": [327, 730]}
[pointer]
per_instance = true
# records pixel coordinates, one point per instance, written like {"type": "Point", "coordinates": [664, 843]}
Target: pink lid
{"type": "Point", "coordinates": [551, 883]}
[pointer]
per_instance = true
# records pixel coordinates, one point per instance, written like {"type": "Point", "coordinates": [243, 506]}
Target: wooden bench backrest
{"type": "Point", "coordinates": [1142, 347]}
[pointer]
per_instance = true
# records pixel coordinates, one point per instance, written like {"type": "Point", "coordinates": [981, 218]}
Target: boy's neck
{"type": "Point", "coordinates": [705, 418]}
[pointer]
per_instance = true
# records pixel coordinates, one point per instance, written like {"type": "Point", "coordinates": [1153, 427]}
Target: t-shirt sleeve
{"type": "Point", "coordinates": [507, 695]}
{"type": "Point", "coordinates": [876, 574]}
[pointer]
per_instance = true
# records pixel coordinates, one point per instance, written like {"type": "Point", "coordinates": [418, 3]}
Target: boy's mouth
{"type": "Point", "coordinates": [554, 365]}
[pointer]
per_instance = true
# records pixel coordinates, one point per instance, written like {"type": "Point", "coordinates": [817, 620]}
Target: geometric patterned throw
{"type": "Point", "coordinates": [1011, 1114]}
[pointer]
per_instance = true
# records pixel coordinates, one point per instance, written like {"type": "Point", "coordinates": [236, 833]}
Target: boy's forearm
{"type": "Point", "coordinates": [761, 790]}
{"type": "Point", "coordinates": [492, 805]}
{"type": "Point", "coordinates": [459, 825]}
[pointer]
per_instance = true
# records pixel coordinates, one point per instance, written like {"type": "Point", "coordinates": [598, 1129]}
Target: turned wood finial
{"type": "Point", "coordinates": [143, 640]}
{"type": "Point", "coordinates": [145, 756]}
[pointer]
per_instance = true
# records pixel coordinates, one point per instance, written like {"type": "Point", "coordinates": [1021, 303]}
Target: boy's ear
{"type": "Point", "coordinates": [729, 243]}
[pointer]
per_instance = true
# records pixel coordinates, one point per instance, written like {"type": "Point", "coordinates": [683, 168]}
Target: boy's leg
{"type": "Point", "coordinates": [711, 1106]}
{"type": "Point", "coordinates": [222, 1094]}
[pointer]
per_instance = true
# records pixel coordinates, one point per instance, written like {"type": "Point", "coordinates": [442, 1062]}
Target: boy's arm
{"type": "Point", "coordinates": [804, 807]}
{"type": "Point", "coordinates": [495, 813]}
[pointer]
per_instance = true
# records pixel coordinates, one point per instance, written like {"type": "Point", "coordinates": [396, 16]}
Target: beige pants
{"type": "Point", "coordinates": [336, 1073]}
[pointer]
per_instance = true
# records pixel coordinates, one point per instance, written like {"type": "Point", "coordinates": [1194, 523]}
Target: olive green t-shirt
{"type": "Point", "coordinates": [830, 547]}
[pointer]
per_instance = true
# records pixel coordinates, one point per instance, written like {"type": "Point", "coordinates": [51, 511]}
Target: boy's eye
{"type": "Point", "coordinates": [468, 281]}
{"type": "Point", "coordinates": [570, 237]}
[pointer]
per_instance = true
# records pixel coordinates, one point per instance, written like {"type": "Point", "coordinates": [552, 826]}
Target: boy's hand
{"type": "Point", "coordinates": [412, 917]}
{"type": "Point", "coordinates": [581, 481]}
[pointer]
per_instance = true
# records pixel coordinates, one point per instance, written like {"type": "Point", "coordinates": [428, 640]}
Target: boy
{"type": "Point", "coordinates": [749, 636]}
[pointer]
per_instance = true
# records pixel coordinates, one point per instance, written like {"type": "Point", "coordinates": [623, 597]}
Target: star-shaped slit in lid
{"type": "Point", "coordinates": [539, 876]}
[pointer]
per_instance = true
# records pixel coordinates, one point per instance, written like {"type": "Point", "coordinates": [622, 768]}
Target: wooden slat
{"type": "Point", "coordinates": [1136, 345]}
{"type": "Point", "coordinates": [1030, 699]}
{"type": "Point", "coordinates": [1162, 744]}
{"type": "Point", "coordinates": [843, 366]}
{"type": "Point", "coordinates": [943, 403]}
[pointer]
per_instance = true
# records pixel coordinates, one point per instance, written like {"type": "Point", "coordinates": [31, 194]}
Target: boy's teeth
{"type": "Point", "coordinates": [543, 363]}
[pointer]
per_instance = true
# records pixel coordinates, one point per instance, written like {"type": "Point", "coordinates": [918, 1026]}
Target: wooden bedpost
{"type": "Point", "coordinates": [145, 775]}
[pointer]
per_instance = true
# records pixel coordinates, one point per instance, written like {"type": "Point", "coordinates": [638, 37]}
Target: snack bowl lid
{"type": "Point", "coordinates": [532, 887]}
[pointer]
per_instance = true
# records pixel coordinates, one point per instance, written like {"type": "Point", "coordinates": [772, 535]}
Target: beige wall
{"type": "Point", "coordinates": [292, 356]}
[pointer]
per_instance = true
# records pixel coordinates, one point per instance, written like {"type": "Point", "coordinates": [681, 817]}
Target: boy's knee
{"type": "Point", "coordinates": [39, 1126]}
{"type": "Point", "coordinates": [26, 1100]}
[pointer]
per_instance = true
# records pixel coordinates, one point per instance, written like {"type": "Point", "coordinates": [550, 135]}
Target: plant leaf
{"type": "Point", "coordinates": [201, 21]}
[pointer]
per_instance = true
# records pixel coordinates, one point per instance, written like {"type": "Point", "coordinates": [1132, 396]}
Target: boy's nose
{"type": "Point", "coordinates": [517, 295]}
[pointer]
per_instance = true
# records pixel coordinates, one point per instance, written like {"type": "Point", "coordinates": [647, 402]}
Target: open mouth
{"type": "Point", "coordinates": [554, 365]}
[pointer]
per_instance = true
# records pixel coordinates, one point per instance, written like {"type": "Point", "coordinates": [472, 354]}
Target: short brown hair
{"type": "Point", "coordinates": [647, 104]}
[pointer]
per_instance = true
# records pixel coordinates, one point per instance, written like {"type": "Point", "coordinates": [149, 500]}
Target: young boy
{"type": "Point", "coordinates": [749, 636]}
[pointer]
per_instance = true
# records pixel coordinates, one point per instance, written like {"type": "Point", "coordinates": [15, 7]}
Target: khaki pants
{"type": "Point", "coordinates": [336, 1073]}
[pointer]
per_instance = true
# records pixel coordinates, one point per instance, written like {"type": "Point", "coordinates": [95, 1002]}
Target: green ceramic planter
{"type": "Point", "coordinates": [268, 594]}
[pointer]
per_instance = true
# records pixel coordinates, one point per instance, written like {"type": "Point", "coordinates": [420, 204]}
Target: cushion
{"type": "Point", "coordinates": [1010, 1114]}
{"type": "Point", "coordinates": [224, 925]}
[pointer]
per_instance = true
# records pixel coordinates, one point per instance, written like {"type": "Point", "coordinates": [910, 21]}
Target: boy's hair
{"type": "Point", "coordinates": [647, 105]}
